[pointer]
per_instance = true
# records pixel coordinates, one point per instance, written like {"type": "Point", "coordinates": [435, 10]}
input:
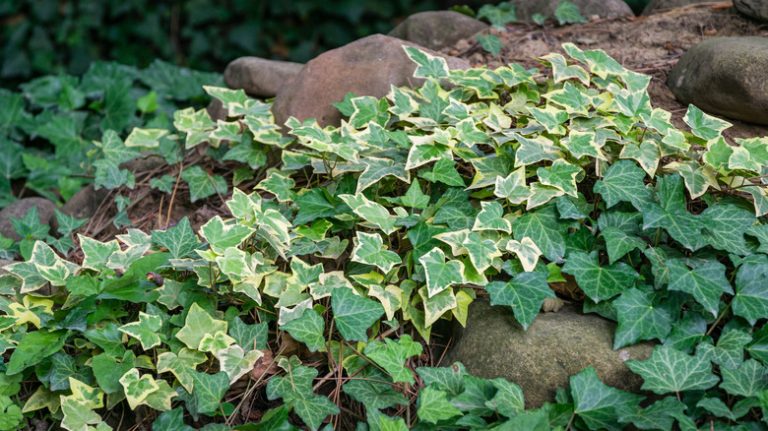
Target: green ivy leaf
{"type": "Point", "coordinates": [623, 182]}
{"type": "Point", "coordinates": [751, 299]}
{"type": "Point", "coordinates": [433, 406]}
{"type": "Point", "coordinates": [639, 319]}
{"type": "Point", "coordinates": [369, 249]}
{"type": "Point", "coordinates": [750, 379]}
{"type": "Point", "coordinates": [202, 184]}
{"type": "Point", "coordinates": [596, 403]}
{"type": "Point", "coordinates": [145, 330]}
{"type": "Point", "coordinates": [706, 282]}
{"type": "Point", "coordinates": [618, 243]}
{"type": "Point", "coordinates": [180, 240]}
{"type": "Point", "coordinates": [542, 226]}
{"type": "Point", "coordinates": [669, 370]}
{"type": "Point", "coordinates": [440, 274]}
{"type": "Point", "coordinates": [354, 314]}
{"type": "Point", "coordinates": [182, 365]}
{"type": "Point", "coordinates": [393, 355]}
{"type": "Point", "coordinates": [525, 294]}
{"type": "Point", "coordinates": [209, 390]}
{"type": "Point", "coordinates": [309, 329]}
{"type": "Point", "coordinates": [599, 282]}
{"type": "Point", "coordinates": [33, 348]}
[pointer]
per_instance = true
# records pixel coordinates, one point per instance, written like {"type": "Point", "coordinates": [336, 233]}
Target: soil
{"type": "Point", "coordinates": [647, 44]}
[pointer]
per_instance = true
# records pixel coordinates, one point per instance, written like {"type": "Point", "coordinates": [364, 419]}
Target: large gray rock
{"type": "Point", "coordinates": [757, 9]}
{"type": "Point", "coordinates": [437, 29]}
{"type": "Point", "coordinates": [541, 359]}
{"type": "Point", "coordinates": [609, 9]}
{"type": "Point", "coordinates": [85, 203]}
{"type": "Point", "coordinates": [657, 6]}
{"type": "Point", "coordinates": [18, 209]}
{"type": "Point", "coordinates": [365, 67]}
{"type": "Point", "coordinates": [726, 76]}
{"type": "Point", "coordinates": [260, 77]}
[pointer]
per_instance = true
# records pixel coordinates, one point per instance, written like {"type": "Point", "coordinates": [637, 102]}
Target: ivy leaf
{"type": "Point", "coordinates": [751, 299]}
{"type": "Point", "coordinates": [295, 388]}
{"type": "Point", "coordinates": [618, 243]}
{"type": "Point", "coordinates": [370, 211]}
{"type": "Point", "coordinates": [10, 414]}
{"type": "Point", "coordinates": [729, 351]}
{"type": "Point", "coordinates": [498, 15]}
{"type": "Point", "coordinates": [434, 406]}
{"type": "Point", "coordinates": [671, 214]}
{"type": "Point", "coordinates": [659, 415]}
{"type": "Point", "coordinates": [491, 217]}
{"type": "Point", "coordinates": [378, 168]}
{"type": "Point", "coordinates": [96, 254]}
{"type": "Point", "coordinates": [427, 66]}
{"type": "Point", "coordinates": [182, 365]}
{"type": "Point", "coordinates": [703, 125]}
{"type": "Point", "coordinates": [670, 370]}
{"type": "Point", "coordinates": [209, 390]}
{"type": "Point", "coordinates": [583, 144]}
{"type": "Point", "coordinates": [512, 187]}
{"type": "Point", "coordinates": [750, 379]}
{"type": "Point", "coordinates": [145, 330]}
{"type": "Point", "coordinates": [197, 325]}
{"type": "Point", "coordinates": [309, 329]}
{"type": "Point", "coordinates": [33, 348]}
{"type": "Point", "coordinates": [568, 13]}
{"type": "Point", "coordinates": [369, 249]}
{"type": "Point", "coordinates": [202, 184]}
{"type": "Point", "coordinates": [221, 235]}
{"type": "Point", "coordinates": [526, 251]}
{"type": "Point", "coordinates": [354, 314]}
{"type": "Point", "coordinates": [236, 362]}
{"type": "Point", "coordinates": [724, 225]}
{"type": "Point", "coordinates": [440, 274]}
{"type": "Point", "coordinates": [374, 391]}
{"type": "Point", "coordinates": [560, 175]}
{"type": "Point", "coordinates": [525, 294]}
{"type": "Point", "coordinates": [596, 403]}
{"type": "Point", "coordinates": [145, 138]}
{"type": "Point", "coordinates": [542, 226]}
{"type": "Point", "coordinates": [639, 319]}
{"type": "Point", "coordinates": [647, 154]}
{"type": "Point", "coordinates": [137, 388]}
{"type": "Point", "coordinates": [623, 182]}
{"type": "Point", "coordinates": [599, 282]}
{"type": "Point", "coordinates": [279, 185]}
{"type": "Point", "coordinates": [393, 355]}
{"type": "Point", "coordinates": [180, 240]}
{"type": "Point", "coordinates": [706, 282]}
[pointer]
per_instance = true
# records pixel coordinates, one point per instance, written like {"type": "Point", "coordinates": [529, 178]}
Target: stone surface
{"type": "Point", "coordinates": [657, 6]}
{"type": "Point", "coordinates": [45, 210]}
{"type": "Point", "coordinates": [437, 29]}
{"type": "Point", "coordinates": [365, 67]}
{"type": "Point", "coordinates": [555, 347]}
{"type": "Point", "coordinates": [725, 76]}
{"type": "Point", "coordinates": [85, 202]}
{"type": "Point", "coordinates": [260, 77]}
{"type": "Point", "coordinates": [756, 9]}
{"type": "Point", "coordinates": [610, 9]}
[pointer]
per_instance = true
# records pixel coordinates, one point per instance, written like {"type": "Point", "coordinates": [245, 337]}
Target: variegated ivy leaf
{"type": "Point", "coordinates": [390, 298]}
{"type": "Point", "coordinates": [236, 362]}
{"type": "Point", "coordinates": [599, 63]}
{"type": "Point", "coordinates": [47, 264]}
{"type": "Point", "coordinates": [513, 187]}
{"type": "Point", "coordinates": [560, 175]}
{"type": "Point", "coordinates": [403, 101]}
{"type": "Point", "coordinates": [440, 274]}
{"type": "Point", "coordinates": [698, 179]}
{"type": "Point", "coordinates": [279, 185]}
{"type": "Point", "coordinates": [31, 280]}
{"type": "Point", "coordinates": [718, 153]}
{"type": "Point", "coordinates": [659, 120]}
{"type": "Point", "coordinates": [551, 118]}
{"type": "Point", "coordinates": [488, 168]}
{"type": "Point", "coordinates": [245, 270]}
{"type": "Point", "coordinates": [674, 142]}
{"type": "Point", "coordinates": [369, 109]}
{"type": "Point", "coordinates": [583, 144]}
{"type": "Point", "coordinates": [145, 138]}
{"type": "Point", "coordinates": [491, 217]}
{"type": "Point", "coordinates": [393, 356]}
{"type": "Point", "coordinates": [542, 226]}
{"type": "Point", "coordinates": [427, 66]}
{"type": "Point", "coordinates": [378, 168]}
{"type": "Point", "coordinates": [236, 102]}
{"type": "Point", "coordinates": [437, 305]}
{"type": "Point", "coordinates": [197, 124]}
{"type": "Point", "coordinates": [541, 194]}
{"type": "Point", "coordinates": [327, 282]}
{"type": "Point", "coordinates": [78, 407]}
{"type": "Point", "coordinates": [137, 388]}
{"type": "Point", "coordinates": [561, 71]}
{"type": "Point", "coordinates": [96, 254]}
{"type": "Point", "coordinates": [370, 211]}
{"type": "Point", "coordinates": [222, 235]}
{"type": "Point", "coordinates": [646, 154]}
{"type": "Point", "coordinates": [572, 97]}
{"type": "Point", "coordinates": [182, 365]}
{"type": "Point", "coordinates": [426, 149]}
{"type": "Point", "coordinates": [703, 125]}
{"type": "Point", "coordinates": [137, 243]}
{"type": "Point", "coordinates": [481, 251]}
{"type": "Point", "coordinates": [496, 119]}
{"type": "Point", "coordinates": [534, 150]}
{"type": "Point", "coordinates": [197, 325]}
{"type": "Point", "coordinates": [145, 330]}
{"type": "Point", "coordinates": [749, 154]}
{"type": "Point", "coordinates": [526, 251]}
{"type": "Point", "coordinates": [369, 249]}
{"type": "Point", "coordinates": [213, 342]}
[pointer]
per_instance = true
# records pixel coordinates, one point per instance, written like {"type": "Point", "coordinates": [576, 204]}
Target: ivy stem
{"type": "Point", "coordinates": [570, 422]}
{"type": "Point", "coordinates": [719, 318]}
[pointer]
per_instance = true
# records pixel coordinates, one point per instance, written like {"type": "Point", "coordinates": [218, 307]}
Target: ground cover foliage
{"type": "Point", "coordinates": [357, 239]}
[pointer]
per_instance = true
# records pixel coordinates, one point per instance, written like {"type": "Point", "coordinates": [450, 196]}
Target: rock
{"type": "Point", "coordinates": [656, 6]}
{"type": "Point", "coordinates": [757, 9]}
{"type": "Point", "coordinates": [216, 110]}
{"type": "Point", "coordinates": [18, 209]}
{"type": "Point", "coordinates": [365, 67]}
{"type": "Point", "coordinates": [609, 9]}
{"type": "Point", "coordinates": [85, 202]}
{"type": "Point", "coordinates": [437, 29]}
{"type": "Point", "coordinates": [144, 164]}
{"type": "Point", "coordinates": [555, 347]}
{"type": "Point", "coordinates": [726, 76]}
{"type": "Point", "coordinates": [260, 77]}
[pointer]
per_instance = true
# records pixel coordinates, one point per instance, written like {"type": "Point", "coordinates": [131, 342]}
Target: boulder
{"type": "Point", "coordinates": [18, 209]}
{"type": "Point", "coordinates": [726, 76]}
{"type": "Point", "coordinates": [541, 359]}
{"type": "Point", "coordinates": [609, 9]}
{"type": "Point", "coordinates": [437, 29]}
{"type": "Point", "coordinates": [656, 6]}
{"type": "Point", "coordinates": [85, 202]}
{"type": "Point", "coordinates": [365, 67]}
{"type": "Point", "coordinates": [260, 77]}
{"type": "Point", "coordinates": [756, 9]}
